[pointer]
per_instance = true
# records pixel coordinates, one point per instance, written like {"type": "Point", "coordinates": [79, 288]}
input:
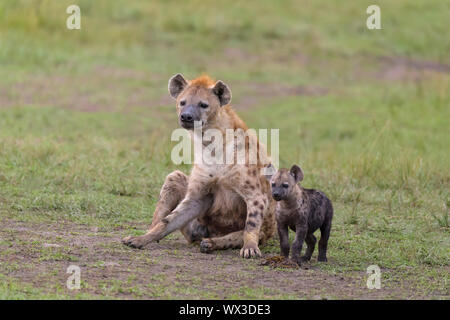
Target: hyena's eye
{"type": "Point", "coordinates": [203, 105]}
{"type": "Point", "coordinates": [285, 185]}
{"type": "Point", "coordinates": [182, 102]}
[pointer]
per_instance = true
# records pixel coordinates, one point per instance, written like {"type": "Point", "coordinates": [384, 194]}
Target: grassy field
{"type": "Point", "coordinates": [85, 124]}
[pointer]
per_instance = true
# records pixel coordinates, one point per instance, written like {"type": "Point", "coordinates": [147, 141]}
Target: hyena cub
{"type": "Point", "coordinates": [302, 210]}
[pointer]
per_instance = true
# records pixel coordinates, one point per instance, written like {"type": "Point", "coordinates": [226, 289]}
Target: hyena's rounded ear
{"type": "Point", "coordinates": [222, 92]}
{"type": "Point", "coordinates": [177, 84]}
{"type": "Point", "coordinates": [269, 171]}
{"type": "Point", "coordinates": [297, 173]}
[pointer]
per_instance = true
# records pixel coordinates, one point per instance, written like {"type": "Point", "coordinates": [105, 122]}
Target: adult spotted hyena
{"type": "Point", "coordinates": [224, 205]}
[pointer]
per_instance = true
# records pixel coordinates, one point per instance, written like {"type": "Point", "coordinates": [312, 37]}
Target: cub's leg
{"type": "Point", "coordinates": [283, 234]}
{"type": "Point", "coordinates": [311, 243]}
{"type": "Point", "coordinates": [231, 240]}
{"type": "Point", "coordinates": [300, 234]}
{"type": "Point", "coordinates": [325, 230]}
{"type": "Point", "coordinates": [323, 242]}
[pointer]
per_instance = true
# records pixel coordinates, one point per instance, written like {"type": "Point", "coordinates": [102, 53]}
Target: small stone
{"type": "Point", "coordinates": [51, 245]}
{"type": "Point", "coordinates": [111, 264]}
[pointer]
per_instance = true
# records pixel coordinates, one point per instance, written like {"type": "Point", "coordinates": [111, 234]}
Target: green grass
{"type": "Point", "coordinates": [378, 146]}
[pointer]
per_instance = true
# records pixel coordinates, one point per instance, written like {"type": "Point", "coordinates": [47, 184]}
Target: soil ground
{"type": "Point", "coordinates": [86, 121]}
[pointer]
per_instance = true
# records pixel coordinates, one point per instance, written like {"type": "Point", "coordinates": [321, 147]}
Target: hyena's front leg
{"type": "Point", "coordinates": [189, 209]}
{"type": "Point", "coordinates": [257, 204]}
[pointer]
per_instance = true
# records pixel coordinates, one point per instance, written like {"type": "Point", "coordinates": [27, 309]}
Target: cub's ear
{"type": "Point", "coordinates": [222, 92]}
{"type": "Point", "coordinates": [177, 84]}
{"type": "Point", "coordinates": [297, 173]}
{"type": "Point", "coordinates": [269, 171]}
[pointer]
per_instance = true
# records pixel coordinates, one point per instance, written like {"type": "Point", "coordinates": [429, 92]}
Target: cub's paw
{"type": "Point", "coordinates": [322, 259]}
{"type": "Point", "coordinates": [305, 259]}
{"type": "Point", "coordinates": [250, 251]}
{"type": "Point", "coordinates": [297, 260]}
{"type": "Point", "coordinates": [302, 263]}
{"type": "Point", "coordinates": [134, 242]}
{"type": "Point", "coordinates": [206, 246]}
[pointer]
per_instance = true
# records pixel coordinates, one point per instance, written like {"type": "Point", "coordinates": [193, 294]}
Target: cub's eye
{"type": "Point", "coordinates": [285, 185]}
{"type": "Point", "coordinates": [203, 105]}
{"type": "Point", "coordinates": [182, 102]}
{"type": "Point", "coordinates": [273, 185]}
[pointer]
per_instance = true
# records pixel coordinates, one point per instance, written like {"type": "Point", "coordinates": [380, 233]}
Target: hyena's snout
{"type": "Point", "coordinates": [188, 115]}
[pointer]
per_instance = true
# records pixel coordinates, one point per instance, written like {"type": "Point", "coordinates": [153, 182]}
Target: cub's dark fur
{"type": "Point", "coordinates": [302, 210]}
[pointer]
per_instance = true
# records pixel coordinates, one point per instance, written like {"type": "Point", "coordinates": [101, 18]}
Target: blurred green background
{"type": "Point", "coordinates": [85, 118]}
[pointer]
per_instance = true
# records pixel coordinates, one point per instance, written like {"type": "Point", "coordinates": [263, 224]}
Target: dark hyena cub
{"type": "Point", "coordinates": [302, 210]}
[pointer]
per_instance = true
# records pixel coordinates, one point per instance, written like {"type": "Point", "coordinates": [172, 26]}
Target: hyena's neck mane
{"type": "Point", "coordinates": [228, 119]}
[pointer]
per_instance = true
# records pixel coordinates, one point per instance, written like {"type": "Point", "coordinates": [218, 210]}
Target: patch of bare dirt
{"type": "Point", "coordinates": [405, 69]}
{"type": "Point", "coordinates": [257, 93]}
{"type": "Point", "coordinates": [232, 56]}
{"type": "Point", "coordinates": [39, 254]}
{"type": "Point", "coordinates": [103, 89]}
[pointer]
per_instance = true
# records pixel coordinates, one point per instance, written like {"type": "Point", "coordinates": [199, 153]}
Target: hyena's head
{"type": "Point", "coordinates": [284, 181]}
{"type": "Point", "coordinates": [198, 100]}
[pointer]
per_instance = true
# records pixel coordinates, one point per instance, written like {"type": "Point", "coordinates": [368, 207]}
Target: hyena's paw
{"type": "Point", "coordinates": [206, 246]}
{"type": "Point", "coordinates": [135, 242]}
{"type": "Point", "coordinates": [250, 251]}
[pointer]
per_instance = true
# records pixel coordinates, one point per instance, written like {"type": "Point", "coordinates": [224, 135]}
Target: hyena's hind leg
{"type": "Point", "coordinates": [172, 193]}
{"type": "Point", "coordinates": [231, 240]}
{"type": "Point", "coordinates": [194, 231]}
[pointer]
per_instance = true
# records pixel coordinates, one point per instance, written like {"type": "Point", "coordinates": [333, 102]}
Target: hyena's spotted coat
{"type": "Point", "coordinates": [223, 206]}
